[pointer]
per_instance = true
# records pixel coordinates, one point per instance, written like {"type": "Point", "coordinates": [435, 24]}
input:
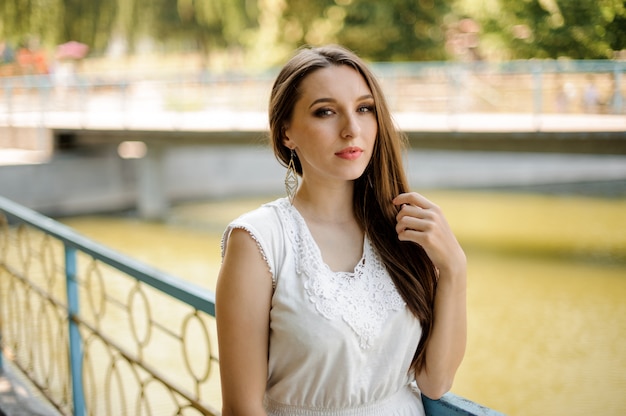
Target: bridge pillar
{"type": "Point", "coordinates": [152, 201]}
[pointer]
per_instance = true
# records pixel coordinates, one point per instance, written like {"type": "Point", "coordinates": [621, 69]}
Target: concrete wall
{"type": "Point", "coordinates": [99, 180]}
{"type": "Point", "coordinates": [27, 138]}
{"type": "Point", "coordinates": [96, 179]}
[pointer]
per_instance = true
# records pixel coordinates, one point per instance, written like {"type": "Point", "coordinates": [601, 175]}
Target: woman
{"type": "Point", "coordinates": [348, 297]}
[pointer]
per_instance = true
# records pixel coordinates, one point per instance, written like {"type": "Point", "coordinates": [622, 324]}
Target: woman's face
{"type": "Point", "coordinates": [333, 126]}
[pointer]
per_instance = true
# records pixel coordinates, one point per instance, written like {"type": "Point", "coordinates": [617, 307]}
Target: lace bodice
{"type": "Point", "coordinates": [362, 298]}
{"type": "Point", "coordinates": [338, 341]}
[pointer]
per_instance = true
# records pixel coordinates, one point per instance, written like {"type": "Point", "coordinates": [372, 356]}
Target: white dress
{"type": "Point", "coordinates": [340, 343]}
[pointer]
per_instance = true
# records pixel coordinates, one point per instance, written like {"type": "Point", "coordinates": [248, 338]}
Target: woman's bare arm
{"type": "Point", "coordinates": [446, 346]}
{"type": "Point", "coordinates": [243, 298]}
{"type": "Point", "coordinates": [422, 222]}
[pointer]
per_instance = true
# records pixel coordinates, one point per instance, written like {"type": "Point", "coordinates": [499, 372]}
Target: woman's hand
{"type": "Point", "coordinates": [421, 221]}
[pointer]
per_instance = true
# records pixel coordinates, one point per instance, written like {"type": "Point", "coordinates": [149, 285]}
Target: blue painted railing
{"type": "Point", "coordinates": [97, 332]}
{"type": "Point", "coordinates": [60, 331]}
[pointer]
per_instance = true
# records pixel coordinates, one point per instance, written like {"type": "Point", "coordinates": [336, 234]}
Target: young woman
{"type": "Point", "coordinates": [347, 297]}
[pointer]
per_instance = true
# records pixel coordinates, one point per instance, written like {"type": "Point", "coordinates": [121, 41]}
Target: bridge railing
{"type": "Point", "coordinates": [534, 87]}
{"type": "Point", "coordinates": [99, 333]}
{"type": "Point", "coordinates": [527, 87]}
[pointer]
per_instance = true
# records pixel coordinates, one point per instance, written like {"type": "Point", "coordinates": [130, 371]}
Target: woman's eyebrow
{"type": "Point", "coordinates": [332, 100]}
{"type": "Point", "coordinates": [323, 100]}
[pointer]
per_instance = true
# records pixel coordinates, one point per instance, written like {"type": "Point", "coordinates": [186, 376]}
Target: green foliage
{"type": "Point", "coordinates": [51, 22]}
{"type": "Point", "coordinates": [22, 20]}
{"type": "Point", "coordinates": [88, 22]}
{"type": "Point", "coordinates": [207, 24]}
{"type": "Point", "coordinates": [616, 28]}
{"type": "Point", "coordinates": [393, 30]}
{"type": "Point", "coordinates": [204, 23]}
{"type": "Point", "coordinates": [581, 29]}
{"type": "Point", "coordinates": [390, 30]}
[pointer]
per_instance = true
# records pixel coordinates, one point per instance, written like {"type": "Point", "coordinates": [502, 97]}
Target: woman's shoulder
{"type": "Point", "coordinates": [266, 224]}
{"type": "Point", "coordinates": [267, 215]}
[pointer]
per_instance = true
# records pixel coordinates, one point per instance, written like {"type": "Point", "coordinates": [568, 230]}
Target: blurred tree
{"type": "Point", "coordinates": [21, 20]}
{"type": "Point", "coordinates": [393, 30]}
{"type": "Point", "coordinates": [89, 22]}
{"type": "Point", "coordinates": [133, 21]}
{"type": "Point", "coordinates": [616, 29]}
{"type": "Point", "coordinates": [204, 24]}
{"type": "Point", "coordinates": [396, 30]}
{"type": "Point", "coordinates": [581, 29]}
{"type": "Point", "coordinates": [51, 22]}
{"type": "Point", "coordinates": [207, 24]}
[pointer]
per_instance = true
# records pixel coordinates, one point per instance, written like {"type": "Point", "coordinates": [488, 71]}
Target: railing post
{"type": "Point", "coordinates": [454, 86]}
{"type": "Point", "coordinates": [537, 94]}
{"type": "Point", "coordinates": [1, 353]}
{"type": "Point", "coordinates": [617, 88]}
{"type": "Point", "coordinates": [83, 96]}
{"type": "Point", "coordinates": [75, 342]}
{"type": "Point", "coordinates": [9, 100]}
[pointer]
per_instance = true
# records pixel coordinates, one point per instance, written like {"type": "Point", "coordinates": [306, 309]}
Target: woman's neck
{"type": "Point", "coordinates": [327, 204]}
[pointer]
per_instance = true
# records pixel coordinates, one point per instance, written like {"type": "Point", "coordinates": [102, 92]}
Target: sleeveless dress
{"type": "Point", "coordinates": [340, 343]}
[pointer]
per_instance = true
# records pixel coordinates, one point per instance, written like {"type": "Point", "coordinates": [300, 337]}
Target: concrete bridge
{"type": "Point", "coordinates": [561, 133]}
{"type": "Point", "coordinates": [150, 119]}
{"type": "Point", "coordinates": [93, 167]}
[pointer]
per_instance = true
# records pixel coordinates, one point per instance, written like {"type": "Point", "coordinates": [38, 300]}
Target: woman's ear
{"type": "Point", "coordinates": [286, 140]}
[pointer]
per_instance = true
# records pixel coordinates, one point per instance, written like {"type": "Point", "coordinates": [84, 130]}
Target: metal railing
{"type": "Point", "coordinates": [99, 333]}
{"type": "Point", "coordinates": [534, 87]}
{"type": "Point", "coordinates": [528, 87]}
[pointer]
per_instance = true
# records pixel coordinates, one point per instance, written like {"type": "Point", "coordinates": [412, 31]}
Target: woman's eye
{"type": "Point", "coordinates": [366, 109]}
{"type": "Point", "coordinates": [323, 112]}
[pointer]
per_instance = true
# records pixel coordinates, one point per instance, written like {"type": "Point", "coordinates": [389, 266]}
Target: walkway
{"type": "Point", "coordinates": [18, 397]}
{"type": "Point", "coordinates": [100, 116]}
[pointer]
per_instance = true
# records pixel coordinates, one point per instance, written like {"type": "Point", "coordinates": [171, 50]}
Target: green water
{"type": "Point", "coordinates": [547, 290]}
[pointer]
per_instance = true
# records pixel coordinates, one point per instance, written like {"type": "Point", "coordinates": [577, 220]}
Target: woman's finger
{"type": "Point", "coordinates": [414, 211]}
{"type": "Point", "coordinates": [413, 198]}
{"type": "Point", "coordinates": [414, 224]}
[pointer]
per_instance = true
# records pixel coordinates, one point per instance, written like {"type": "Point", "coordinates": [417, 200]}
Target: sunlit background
{"type": "Point", "coordinates": [141, 124]}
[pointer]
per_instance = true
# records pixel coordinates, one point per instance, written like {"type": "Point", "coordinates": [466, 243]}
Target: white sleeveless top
{"type": "Point", "coordinates": [340, 343]}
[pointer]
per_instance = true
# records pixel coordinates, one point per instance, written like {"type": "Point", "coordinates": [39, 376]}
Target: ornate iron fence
{"type": "Point", "coordinates": [99, 333]}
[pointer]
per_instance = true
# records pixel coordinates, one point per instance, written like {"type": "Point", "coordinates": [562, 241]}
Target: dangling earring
{"type": "Point", "coordinates": [291, 179]}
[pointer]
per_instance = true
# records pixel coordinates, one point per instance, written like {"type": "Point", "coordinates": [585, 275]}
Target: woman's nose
{"type": "Point", "coordinates": [351, 126]}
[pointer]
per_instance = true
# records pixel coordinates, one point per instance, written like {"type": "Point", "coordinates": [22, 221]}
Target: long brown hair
{"type": "Point", "coordinates": [410, 268]}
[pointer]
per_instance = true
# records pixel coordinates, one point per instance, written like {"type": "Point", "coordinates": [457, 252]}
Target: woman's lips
{"type": "Point", "coordinates": [350, 153]}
